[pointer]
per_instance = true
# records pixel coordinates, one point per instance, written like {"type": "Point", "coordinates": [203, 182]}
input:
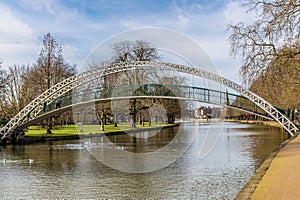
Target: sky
{"type": "Point", "coordinates": [80, 25]}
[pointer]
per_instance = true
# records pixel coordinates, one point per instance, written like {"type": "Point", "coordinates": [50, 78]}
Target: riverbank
{"type": "Point", "coordinates": [88, 132]}
{"type": "Point", "coordinates": [277, 177]}
{"type": "Point", "coordinates": [282, 179]}
{"type": "Point", "coordinates": [78, 132]}
{"type": "Point", "coordinates": [267, 123]}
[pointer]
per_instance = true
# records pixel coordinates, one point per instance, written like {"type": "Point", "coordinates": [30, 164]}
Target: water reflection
{"type": "Point", "coordinates": [63, 169]}
{"type": "Point", "coordinates": [148, 141]}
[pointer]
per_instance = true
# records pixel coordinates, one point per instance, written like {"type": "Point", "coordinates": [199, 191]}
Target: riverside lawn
{"type": "Point", "coordinates": [70, 130]}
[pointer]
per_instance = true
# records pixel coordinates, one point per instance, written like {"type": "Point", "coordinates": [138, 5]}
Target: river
{"type": "Point", "coordinates": [68, 170]}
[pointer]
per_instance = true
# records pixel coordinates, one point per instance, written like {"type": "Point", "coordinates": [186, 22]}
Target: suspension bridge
{"type": "Point", "coordinates": [73, 92]}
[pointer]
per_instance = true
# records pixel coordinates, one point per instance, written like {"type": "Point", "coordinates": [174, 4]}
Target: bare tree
{"type": "Point", "coordinates": [50, 67]}
{"type": "Point", "coordinates": [16, 93]}
{"type": "Point", "coordinates": [174, 108]}
{"type": "Point", "coordinates": [49, 70]}
{"type": "Point", "coordinates": [136, 82]}
{"type": "Point", "coordinates": [139, 50]}
{"type": "Point", "coordinates": [130, 51]}
{"type": "Point", "coordinates": [102, 110]}
{"type": "Point", "coordinates": [283, 77]}
{"type": "Point", "coordinates": [104, 85]}
{"type": "Point", "coordinates": [3, 81]}
{"type": "Point", "coordinates": [3, 77]}
{"type": "Point", "coordinates": [275, 34]}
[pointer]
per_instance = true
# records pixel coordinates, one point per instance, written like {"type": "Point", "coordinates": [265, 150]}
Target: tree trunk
{"type": "Point", "coordinates": [133, 115]}
{"type": "Point", "coordinates": [133, 120]}
{"type": "Point", "coordinates": [102, 123]}
{"type": "Point", "coordinates": [141, 119]}
{"type": "Point", "coordinates": [101, 119]}
{"type": "Point", "coordinates": [171, 118]}
{"type": "Point", "coordinates": [49, 125]}
{"type": "Point", "coordinates": [115, 121]}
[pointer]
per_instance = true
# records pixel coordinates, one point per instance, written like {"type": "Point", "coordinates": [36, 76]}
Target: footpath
{"type": "Point", "coordinates": [279, 176]}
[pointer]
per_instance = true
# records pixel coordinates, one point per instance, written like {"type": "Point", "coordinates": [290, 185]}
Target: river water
{"type": "Point", "coordinates": [67, 170]}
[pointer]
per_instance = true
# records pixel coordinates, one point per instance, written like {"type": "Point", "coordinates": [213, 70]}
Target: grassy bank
{"type": "Point", "coordinates": [73, 130]}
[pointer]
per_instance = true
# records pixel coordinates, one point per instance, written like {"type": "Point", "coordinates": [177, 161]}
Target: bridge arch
{"type": "Point", "coordinates": [29, 112]}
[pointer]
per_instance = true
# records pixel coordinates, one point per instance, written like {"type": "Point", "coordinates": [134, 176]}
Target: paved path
{"type": "Point", "coordinates": [282, 179]}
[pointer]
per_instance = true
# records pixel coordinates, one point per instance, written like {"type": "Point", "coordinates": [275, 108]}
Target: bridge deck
{"type": "Point", "coordinates": [41, 103]}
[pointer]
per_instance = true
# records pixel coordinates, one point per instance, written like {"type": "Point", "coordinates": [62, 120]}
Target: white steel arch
{"type": "Point", "coordinates": [36, 106]}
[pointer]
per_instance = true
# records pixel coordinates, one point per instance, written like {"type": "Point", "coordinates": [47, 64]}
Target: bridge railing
{"type": "Point", "coordinates": [43, 102]}
{"type": "Point", "coordinates": [153, 91]}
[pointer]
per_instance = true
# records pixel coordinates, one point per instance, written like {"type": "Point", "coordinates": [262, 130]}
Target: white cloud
{"type": "Point", "coordinates": [12, 29]}
{"type": "Point", "coordinates": [17, 39]}
{"type": "Point", "coordinates": [78, 34]}
{"type": "Point", "coordinates": [236, 12]}
{"type": "Point", "coordinates": [49, 6]}
{"type": "Point", "coordinates": [21, 32]}
{"type": "Point", "coordinates": [183, 20]}
{"type": "Point", "coordinates": [19, 54]}
{"type": "Point", "coordinates": [207, 29]}
{"type": "Point", "coordinates": [72, 55]}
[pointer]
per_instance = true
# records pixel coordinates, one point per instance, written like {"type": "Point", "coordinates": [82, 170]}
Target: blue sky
{"type": "Point", "coordinates": [80, 25]}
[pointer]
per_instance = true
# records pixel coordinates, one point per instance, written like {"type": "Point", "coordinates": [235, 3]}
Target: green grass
{"type": "Point", "coordinates": [86, 129]}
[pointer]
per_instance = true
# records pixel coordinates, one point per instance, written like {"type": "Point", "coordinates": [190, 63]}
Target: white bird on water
{"type": "Point", "coordinates": [30, 161]}
{"type": "Point", "coordinates": [4, 161]}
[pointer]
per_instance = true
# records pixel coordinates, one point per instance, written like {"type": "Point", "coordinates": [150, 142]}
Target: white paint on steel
{"type": "Point", "coordinates": [36, 106]}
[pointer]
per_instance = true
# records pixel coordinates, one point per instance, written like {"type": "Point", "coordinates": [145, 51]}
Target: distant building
{"type": "Point", "coordinates": [208, 112]}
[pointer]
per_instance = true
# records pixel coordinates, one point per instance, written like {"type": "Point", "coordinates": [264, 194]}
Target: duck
{"type": "Point", "coordinates": [4, 161]}
{"type": "Point", "coordinates": [30, 160]}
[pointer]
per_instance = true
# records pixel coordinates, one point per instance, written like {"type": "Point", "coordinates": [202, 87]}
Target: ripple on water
{"type": "Point", "coordinates": [64, 169]}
